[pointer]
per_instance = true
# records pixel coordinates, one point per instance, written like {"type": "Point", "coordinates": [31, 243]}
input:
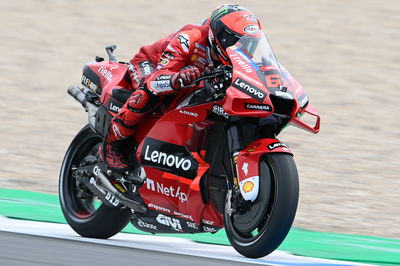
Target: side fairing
{"type": "Point", "coordinates": [175, 167]}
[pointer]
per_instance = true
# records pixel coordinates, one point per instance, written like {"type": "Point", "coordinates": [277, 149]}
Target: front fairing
{"type": "Point", "coordinates": [258, 78]}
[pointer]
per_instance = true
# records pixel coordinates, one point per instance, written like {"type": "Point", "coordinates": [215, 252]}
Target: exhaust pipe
{"type": "Point", "coordinates": [134, 205]}
{"type": "Point", "coordinates": [80, 95]}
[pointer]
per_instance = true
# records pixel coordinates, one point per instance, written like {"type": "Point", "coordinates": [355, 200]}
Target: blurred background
{"type": "Point", "coordinates": [346, 54]}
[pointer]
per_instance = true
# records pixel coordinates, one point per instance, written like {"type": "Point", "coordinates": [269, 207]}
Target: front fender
{"type": "Point", "coordinates": [247, 164]}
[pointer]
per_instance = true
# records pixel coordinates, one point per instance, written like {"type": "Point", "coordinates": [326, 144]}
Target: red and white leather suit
{"type": "Point", "coordinates": [156, 64]}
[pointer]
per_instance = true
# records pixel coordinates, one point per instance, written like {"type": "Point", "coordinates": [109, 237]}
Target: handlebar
{"type": "Point", "coordinates": [208, 76]}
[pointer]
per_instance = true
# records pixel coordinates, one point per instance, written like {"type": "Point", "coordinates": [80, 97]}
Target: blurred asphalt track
{"type": "Point", "coordinates": [37, 243]}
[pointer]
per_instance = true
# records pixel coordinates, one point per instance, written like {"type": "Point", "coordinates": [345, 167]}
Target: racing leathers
{"type": "Point", "coordinates": [159, 69]}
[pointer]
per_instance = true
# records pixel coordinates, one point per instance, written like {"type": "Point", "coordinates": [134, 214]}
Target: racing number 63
{"type": "Point", "coordinates": [273, 80]}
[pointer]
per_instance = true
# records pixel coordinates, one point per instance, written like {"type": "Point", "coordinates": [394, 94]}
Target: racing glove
{"type": "Point", "coordinates": [184, 77]}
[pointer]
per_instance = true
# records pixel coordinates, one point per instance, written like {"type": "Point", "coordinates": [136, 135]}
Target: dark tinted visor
{"type": "Point", "coordinates": [225, 36]}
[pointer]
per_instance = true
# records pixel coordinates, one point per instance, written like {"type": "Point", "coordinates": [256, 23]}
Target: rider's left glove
{"type": "Point", "coordinates": [185, 77]}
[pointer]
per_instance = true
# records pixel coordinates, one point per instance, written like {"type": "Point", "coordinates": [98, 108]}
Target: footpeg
{"type": "Point", "coordinates": [137, 176]}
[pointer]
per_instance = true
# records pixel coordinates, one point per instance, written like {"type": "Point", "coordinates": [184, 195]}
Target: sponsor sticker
{"type": "Point", "coordinates": [303, 100]}
{"type": "Point", "coordinates": [188, 113]}
{"type": "Point", "coordinates": [169, 221]}
{"type": "Point", "coordinates": [248, 186]}
{"type": "Point", "coordinates": [169, 191]}
{"type": "Point", "coordinates": [88, 83]}
{"type": "Point", "coordinates": [168, 55]}
{"type": "Point", "coordinates": [168, 157]}
{"type": "Point", "coordinates": [184, 41]}
{"type": "Point", "coordinates": [164, 77]}
{"type": "Point", "coordinates": [194, 58]}
{"type": "Point", "coordinates": [258, 107]}
{"type": "Point", "coordinates": [251, 29]}
{"type": "Point", "coordinates": [201, 47]}
{"type": "Point", "coordinates": [276, 145]}
{"type": "Point", "coordinates": [161, 85]}
{"type": "Point", "coordinates": [146, 67]}
{"type": "Point", "coordinates": [219, 110]}
{"type": "Point", "coordinates": [113, 107]}
{"type": "Point", "coordinates": [147, 225]}
{"type": "Point", "coordinates": [249, 89]}
{"type": "Point", "coordinates": [105, 73]}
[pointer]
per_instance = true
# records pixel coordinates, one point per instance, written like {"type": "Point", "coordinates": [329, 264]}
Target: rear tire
{"type": "Point", "coordinates": [279, 181]}
{"type": "Point", "coordinates": [81, 213]}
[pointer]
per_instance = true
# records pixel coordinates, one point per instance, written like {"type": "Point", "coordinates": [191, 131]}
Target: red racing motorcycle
{"type": "Point", "coordinates": [212, 158]}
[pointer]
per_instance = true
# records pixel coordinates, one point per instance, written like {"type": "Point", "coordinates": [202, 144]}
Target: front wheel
{"type": "Point", "coordinates": [82, 210]}
{"type": "Point", "coordinates": [273, 211]}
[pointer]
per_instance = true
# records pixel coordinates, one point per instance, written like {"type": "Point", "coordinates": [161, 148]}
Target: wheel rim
{"type": "Point", "coordinates": [79, 208]}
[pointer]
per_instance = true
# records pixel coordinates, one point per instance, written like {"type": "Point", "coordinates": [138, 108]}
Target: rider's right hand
{"type": "Point", "coordinates": [185, 77]}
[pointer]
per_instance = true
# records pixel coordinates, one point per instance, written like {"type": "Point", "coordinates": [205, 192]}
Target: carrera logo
{"type": "Point", "coordinates": [258, 107]}
{"type": "Point", "coordinates": [168, 157]}
{"type": "Point", "coordinates": [249, 89]}
{"type": "Point", "coordinates": [276, 145]}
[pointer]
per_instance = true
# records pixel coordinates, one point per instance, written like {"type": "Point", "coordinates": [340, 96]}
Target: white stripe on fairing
{"type": "Point", "coordinates": [161, 243]}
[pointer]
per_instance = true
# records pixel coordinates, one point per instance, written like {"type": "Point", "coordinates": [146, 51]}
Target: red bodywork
{"type": "Point", "coordinates": [183, 130]}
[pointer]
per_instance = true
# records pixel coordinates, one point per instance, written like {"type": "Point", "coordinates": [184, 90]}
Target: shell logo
{"type": "Point", "coordinates": [248, 186]}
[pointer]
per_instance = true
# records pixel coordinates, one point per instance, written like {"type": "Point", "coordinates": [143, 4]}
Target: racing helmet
{"type": "Point", "coordinates": [228, 24]}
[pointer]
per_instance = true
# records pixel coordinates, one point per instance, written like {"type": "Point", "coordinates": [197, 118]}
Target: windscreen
{"type": "Point", "coordinates": [259, 51]}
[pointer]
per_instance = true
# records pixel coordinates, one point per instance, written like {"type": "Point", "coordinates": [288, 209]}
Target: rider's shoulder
{"type": "Point", "coordinates": [190, 34]}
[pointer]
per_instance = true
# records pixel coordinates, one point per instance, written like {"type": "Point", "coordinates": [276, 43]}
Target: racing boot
{"type": "Point", "coordinates": [118, 152]}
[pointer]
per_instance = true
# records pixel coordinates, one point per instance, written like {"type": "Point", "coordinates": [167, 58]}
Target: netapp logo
{"type": "Point", "coordinates": [168, 157]}
{"type": "Point", "coordinates": [249, 89]}
{"type": "Point", "coordinates": [258, 107]}
{"type": "Point", "coordinates": [173, 192]}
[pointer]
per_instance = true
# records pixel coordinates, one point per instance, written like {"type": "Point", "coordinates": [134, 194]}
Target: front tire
{"type": "Point", "coordinates": [82, 213]}
{"type": "Point", "coordinates": [278, 196]}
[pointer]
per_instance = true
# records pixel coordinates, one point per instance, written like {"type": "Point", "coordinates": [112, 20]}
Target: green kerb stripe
{"type": "Point", "coordinates": [366, 249]}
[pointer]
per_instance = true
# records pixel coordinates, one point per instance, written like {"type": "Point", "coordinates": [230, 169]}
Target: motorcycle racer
{"type": "Point", "coordinates": [167, 67]}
